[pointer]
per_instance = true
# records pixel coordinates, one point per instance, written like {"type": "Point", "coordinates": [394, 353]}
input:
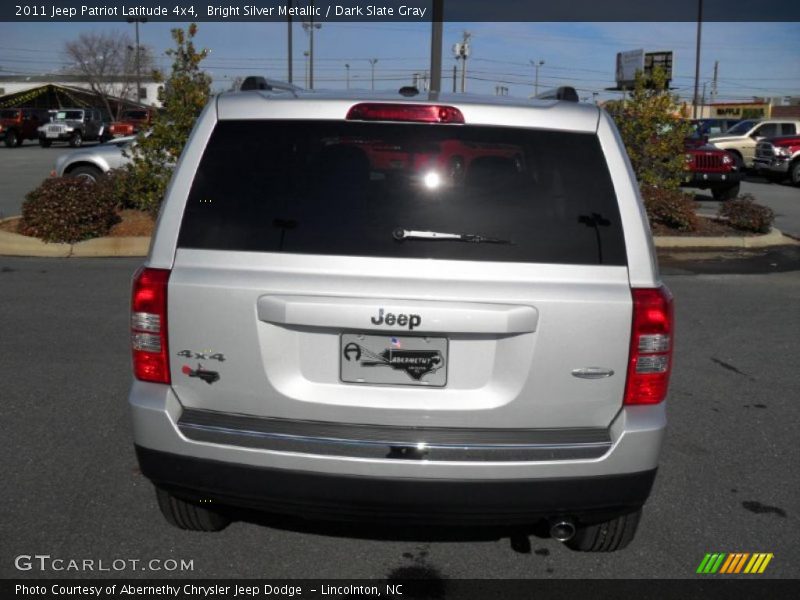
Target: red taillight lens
{"type": "Point", "coordinates": [650, 361]}
{"type": "Point", "coordinates": [417, 113]}
{"type": "Point", "coordinates": [149, 325]}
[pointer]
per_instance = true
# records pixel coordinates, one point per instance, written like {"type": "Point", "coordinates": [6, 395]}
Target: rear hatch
{"type": "Point", "coordinates": [317, 276]}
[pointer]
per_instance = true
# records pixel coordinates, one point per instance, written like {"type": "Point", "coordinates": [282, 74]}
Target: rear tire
{"type": "Point", "coordinates": [44, 143]}
{"type": "Point", "coordinates": [610, 536]}
{"type": "Point", "coordinates": [726, 193]}
{"type": "Point", "coordinates": [189, 516]}
{"type": "Point", "coordinates": [11, 139]}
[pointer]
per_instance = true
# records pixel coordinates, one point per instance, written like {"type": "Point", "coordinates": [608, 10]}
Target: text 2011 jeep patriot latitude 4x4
{"type": "Point", "coordinates": [439, 309]}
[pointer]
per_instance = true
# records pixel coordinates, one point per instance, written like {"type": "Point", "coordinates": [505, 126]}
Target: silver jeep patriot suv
{"type": "Point", "coordinates": [436, 308]}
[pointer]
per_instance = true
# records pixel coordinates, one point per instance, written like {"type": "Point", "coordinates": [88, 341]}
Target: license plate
{"type": "Point", "coordinates": [393, 360]}
{"type": "Point", "coordinates": [52, 134]}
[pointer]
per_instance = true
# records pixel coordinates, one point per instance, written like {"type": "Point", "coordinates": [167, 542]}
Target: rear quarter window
{"type": "Point", "coordinates": [343, 188]}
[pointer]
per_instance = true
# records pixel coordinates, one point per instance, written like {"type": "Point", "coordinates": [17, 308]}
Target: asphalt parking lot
{"type": "Point", "coordinates": [728, 480]}
{"type": "Point", "coordinates": [22, 169]}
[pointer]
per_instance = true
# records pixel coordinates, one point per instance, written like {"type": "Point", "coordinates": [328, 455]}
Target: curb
{"type": "Point", "coordinates": [773, 238]}
{"type": "Point", "coordinates": [14, 244]}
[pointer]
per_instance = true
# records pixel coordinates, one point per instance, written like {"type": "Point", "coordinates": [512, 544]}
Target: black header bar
{"type": "Point", "coordinates": [399, 10]}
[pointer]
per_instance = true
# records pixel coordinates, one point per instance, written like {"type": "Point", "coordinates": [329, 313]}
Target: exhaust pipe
{"type": "Point", "coordinates": [562, 529]}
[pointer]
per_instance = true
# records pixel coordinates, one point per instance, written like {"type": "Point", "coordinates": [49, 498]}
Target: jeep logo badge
{"type": "Point", "coordinates": [401, 320]}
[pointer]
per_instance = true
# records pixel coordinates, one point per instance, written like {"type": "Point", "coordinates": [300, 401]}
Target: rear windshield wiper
{"type": "Point", "coordinates": [405, 234]}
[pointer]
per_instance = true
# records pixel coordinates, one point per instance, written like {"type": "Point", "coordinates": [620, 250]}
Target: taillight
{"type": "Point", "coordinates": [650, 361]}
{"type": "Point", "coordinates": [149, 325]}
{"type": "Point", "coordinates": [418, 113]}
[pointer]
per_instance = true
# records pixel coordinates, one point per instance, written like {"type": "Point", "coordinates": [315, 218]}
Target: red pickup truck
{"type": "Point", "coordinates": [779, 158]}
{"type": "Point", "coordinates": [20, 124]}
{"type": "Point", "coordinates": [131, 122]}
{"type": "Point", "coordinates": [708, 167]}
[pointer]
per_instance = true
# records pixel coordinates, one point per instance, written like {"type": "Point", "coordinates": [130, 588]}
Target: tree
{"type": "Point", "coordinates": [108, 64]}
{"type": "Point", "coordinates": [653, 132]}
{"type": "Point", "coordinates": [186, 92]}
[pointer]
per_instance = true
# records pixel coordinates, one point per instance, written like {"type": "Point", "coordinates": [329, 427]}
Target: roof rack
{"type": "Point", "coordinates": [256, 82]}
{"type": "Point", "coordinates": [564, 92]}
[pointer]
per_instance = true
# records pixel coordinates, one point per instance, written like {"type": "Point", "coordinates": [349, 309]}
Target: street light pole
{"type": "Point", "coordinates": [136, 21]}
{"type": "Point", "coordinates": [536, 64]}
{"type": "Point", "coordinates": [372, 62]}
{"type": "Point", "coordinates": [347, 66]}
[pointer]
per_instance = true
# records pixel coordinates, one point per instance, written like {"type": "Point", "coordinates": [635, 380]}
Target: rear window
{"type": "Point", "coordinates": [344, 188]}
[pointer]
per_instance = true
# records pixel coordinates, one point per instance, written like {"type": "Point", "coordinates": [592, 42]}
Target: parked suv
{"type": "Point", "coordinates": [779, 158]}
{"type": "Point", "coordinates": [323, 333]}
{"type": "Point", "coordinates": [741, 139]}
{"type": "Point", "coordinates": [74, 125]}
{"type": "Point", "coordinates": [131, 122]}
{"type": "Point", "coordinates": [20, 124]}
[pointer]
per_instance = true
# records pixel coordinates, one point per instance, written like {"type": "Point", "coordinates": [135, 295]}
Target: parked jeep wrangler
{"type": "Point", "coordinates": [75, 126]}
{"type": "Point", "coordinates": [20, 124]}
{"type": "Point", "coordinates": [708, 167]}
{"type": "Point", "coordinates": [324, 332]}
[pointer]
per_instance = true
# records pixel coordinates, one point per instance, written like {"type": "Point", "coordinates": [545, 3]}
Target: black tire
{"type": "Point", "coordinates": [12, 139]}
{"type": "Point", "coordinates": [606, 537]}
{"type": "Point", "coordinates": [794, 172]}
{"type": "Point", "coordinates": [76, 140]}
{"type": "Point", "coordinates": [87, 172]}
{"type": "Point", "coordinates": [45, 143]}
{"type": "Point", "coordinates": [738, 161]}
{"type": "Point", "coordinates": [726, 193]}
{"type": "Point", "coordinates": [189, 516]}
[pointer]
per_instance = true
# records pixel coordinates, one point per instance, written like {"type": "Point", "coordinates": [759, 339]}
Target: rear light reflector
{"type": "Point", "coordinates": [416, 113]}
{"type": "Point", "coordinates": [650, 361]}
{"type": "Point", "coordinates": [149, 325]}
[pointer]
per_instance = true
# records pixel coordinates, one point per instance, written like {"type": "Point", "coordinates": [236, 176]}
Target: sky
{"type": "Point", "coordinates": [755, 59]}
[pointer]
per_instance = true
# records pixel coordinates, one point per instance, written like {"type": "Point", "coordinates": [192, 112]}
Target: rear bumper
{"type": "Point", "coordinates": [341, 497]}
{"type": "Point", "coordinates": [295, 479]}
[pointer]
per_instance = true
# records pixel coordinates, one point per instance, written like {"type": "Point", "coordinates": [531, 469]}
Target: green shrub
{"type": "Point", "coordinates": [670, 208]}
{"type": "Point", "coordinates": [743, 213]}
{"type": "Point", "coordinates": [68, 209]}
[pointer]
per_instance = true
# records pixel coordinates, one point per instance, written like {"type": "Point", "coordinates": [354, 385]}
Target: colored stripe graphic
{"type": "Point", "coordinates": [730, 563]}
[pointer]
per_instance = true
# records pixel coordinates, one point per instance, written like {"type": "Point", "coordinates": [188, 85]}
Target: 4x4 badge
{"type": "Point", "coordinates": [416, 363]}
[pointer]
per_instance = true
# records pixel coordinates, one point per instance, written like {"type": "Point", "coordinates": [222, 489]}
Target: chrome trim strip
{"type": "Point", "coordinates": [404, 443]}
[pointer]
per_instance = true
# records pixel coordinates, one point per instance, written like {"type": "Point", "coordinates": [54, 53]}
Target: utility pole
{"type": "Point", "coordinates": [461, 51]}
{"type": "Point", "coordinates": [289, 42]}
{"type": "Point", "coordinates": [436, 45]}
{"type": "Point", "coordinates": [310, 26]}
{"type": "Point", "coordinates": [714, 83]}
{"type": "Point", "coordinates": [372, 62]}
{"type": "Point", "coordinates": [703, 101]}
{"type": "Point", "coordinates": [347, 66]}
{"type": "Point", "coordinates": [136, 21]}
{"type": "Point", "coordinates": [455, 75]}
{"type": "Point", "coordinates": [536, 64]}
{"type": "Point", "coordinates": [697, 56]}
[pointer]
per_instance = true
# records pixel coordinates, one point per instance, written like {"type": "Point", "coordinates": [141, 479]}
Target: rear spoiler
{"type": "Point", "coordinates": [565, 92]}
